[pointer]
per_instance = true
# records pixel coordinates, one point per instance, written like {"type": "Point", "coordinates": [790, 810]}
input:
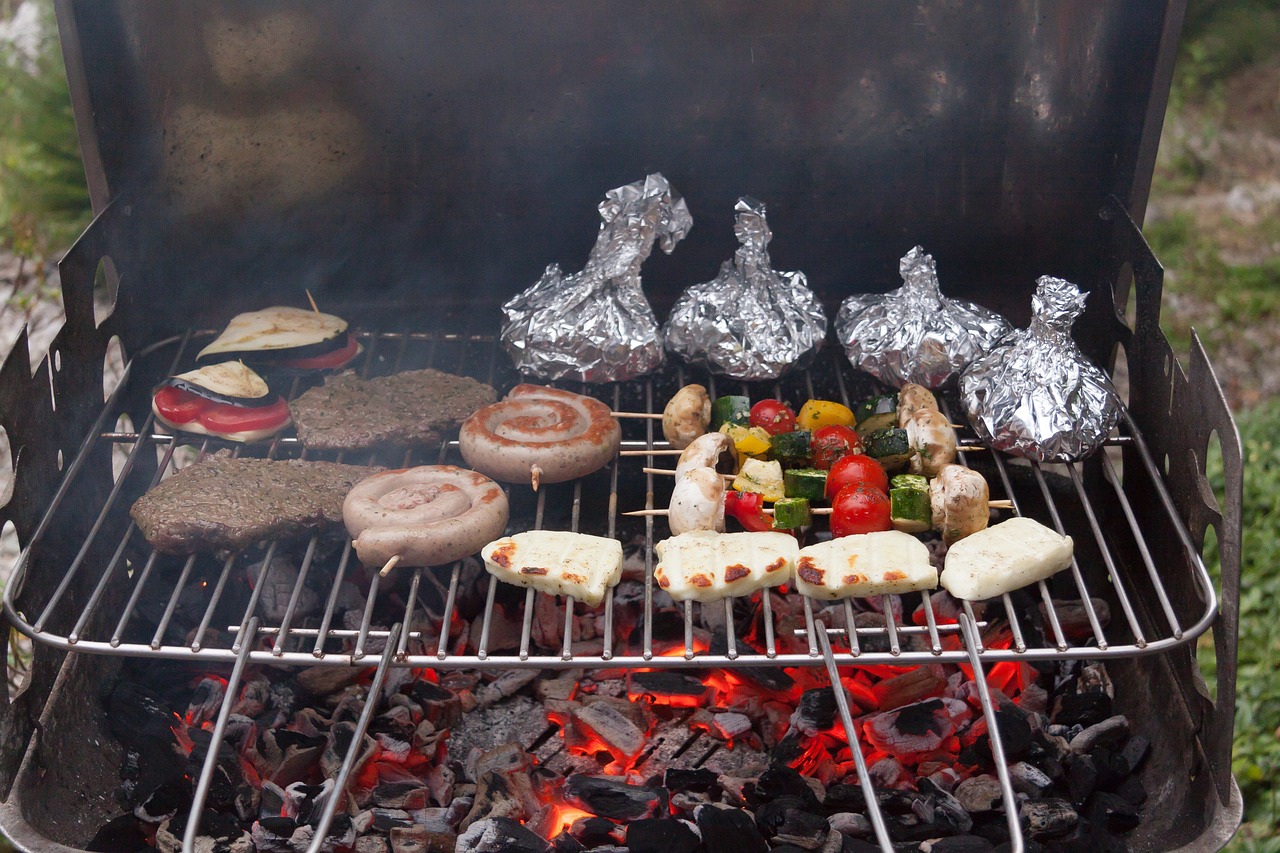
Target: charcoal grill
{"type": "Point", "coordinates": [411, 193]}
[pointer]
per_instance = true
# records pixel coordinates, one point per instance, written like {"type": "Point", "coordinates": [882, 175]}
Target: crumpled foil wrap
{"type": "Point", "coordinates": [1036, 395]}
{"type": "Point", "coordinates": [914, 333]}
{"type": "Point", "coordinates": [597, 325]}
{"type": "Point", "coordinates": [751, 321]}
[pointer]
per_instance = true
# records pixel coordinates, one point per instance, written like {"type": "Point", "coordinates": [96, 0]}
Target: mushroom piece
{"type": "Point", "coordinates": [687, 416]}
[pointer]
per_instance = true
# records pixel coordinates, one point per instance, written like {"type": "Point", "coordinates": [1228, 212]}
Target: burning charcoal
{"type": "Point", "coordinates": [302, 801]}
{"type": "Point", "coordinates": [923, 682]}
{"type": "Point", "coordinates": [502, 794]}
{"type": "Point", "coordinates": [1029, 779]}
{"type": "Point", "coordinates": [1047, 818]}
{"type": "Point", "coordinates": [402, 795]}
{"type": "Point", "coordinates": [500, 835]}
{"type": "Point", "coordinates": [656, 835]}
{"type": "Point", "coordinates": [937, 806]}
{"type": "Point", "coordinates": [780, 780]}
{"type": "Point", "coordinates": [561, 687]}
{"type": "Point", "coordinates": [1111, 766]}
{"type": "Point", "coordinates": [816, 712]}
{"type": "Point", "coordinates": [1094, 679]}
{"type": "Point", "coordinates": [164, 802]}
{"type": "Point", "coordinates": [687, 802]}
{"type": "Point", "coordinates": [888, 772]}
{"type": "Point", "coordinates": [409, 839]}
{"type": "Point", "coordinates": [565, 843]}
{"type": "Point", "coordinates": [205, 701]}
{"type": "Point", "coordinates": [729, 829]}
{"type": "Point", "coordinates": [275, 835]}
{"type": "Point", "coordinates": [1110, 732]}
{"type": "Point", "coordinates": [803, 829]}
{"type": "Point", "coordinates": [978, 794]}
{"type": "Point", "coordinates": [372, 844]}
{"type": "Point", "coordinates": [613, 799]}
{"type": "Point", "coordinates": [730, 726]}
{"type": "Point", "coordinates": [595, 831]}
{"type": "Point", "coordinates": [385, 820]}
{"type": "Point", "coordinates": [771, 678]}
{"type": "Point", "coordinates": [666, 687]}
{"type": "Point", "coordinates": [850, 823]}
{"type": "Point", "coordinates": [677, 780]}
{"type": "Point", "coordinates": [321, 681]}
{"type": "Point", "coordinates": [917, 729]}
{"type": "Point", "coordinates": [1084, 709]}
{"type": "Point", "coordinates": [339, 741]}
{"type": "Point", "coordinates": [507, 684]}
{"type": "Point", "coordinates": [742, 761]}
{"type": "Point", "coordinates": [844, 798]}
{"type": "Point", "coordinates": [773, 814]}
{"type": "Point", "coordinates": [619, 735]}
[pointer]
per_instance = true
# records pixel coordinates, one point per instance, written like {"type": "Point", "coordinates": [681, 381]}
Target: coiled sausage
{"type": "Point", "coordinates": [540, 432]}
{"type": "Point", "coordinates": [428, 516]}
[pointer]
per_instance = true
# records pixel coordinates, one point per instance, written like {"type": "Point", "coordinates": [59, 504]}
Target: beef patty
{"type": "Point", "coordinates": [221, 503]}
{"type": "Point", "coordinates": [417, 408]}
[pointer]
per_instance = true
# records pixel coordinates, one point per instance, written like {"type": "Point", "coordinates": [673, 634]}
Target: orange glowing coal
{"type": "Point", "coordinates": [563, 817]}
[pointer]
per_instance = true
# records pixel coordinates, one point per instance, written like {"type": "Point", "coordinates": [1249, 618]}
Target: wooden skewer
{"type": "Point", "coordinates": [671, 473]}
{"type": "Point", "coordinates": [817, 510]}
{"type": "Point", "coordinates": [647, 415]}
{"type": "Point", "coordinates": [312, 300]}
{"type": "Point", "coordinates": [654, 452]}
{"type": "Point", "coordinates": [391, 564]}
{"type": "Point", "coordinates": [535, 477]}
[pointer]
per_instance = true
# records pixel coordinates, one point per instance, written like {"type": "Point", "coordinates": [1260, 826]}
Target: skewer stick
{"type": "Point", "coordinates": [312, 300]}
{"type": "Point", "coordinates": [647, 415]}
{"type": "Point", "coordinates": [671, 473]}
{"type": "Point", "coordinates": [817, 510]}
{"type": "Point", "coordinates": [535, 476]}
{"type": "Point", "coordinates": [1000, 504]}
{"type": "Point", "coordinates": [391, 564]}
{"type": "Point", "coordinates": [655, 452]}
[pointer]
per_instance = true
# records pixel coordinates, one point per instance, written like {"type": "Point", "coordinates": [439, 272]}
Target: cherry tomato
{"type": "Point", "coordinates": [858, 509]}
{"type": "Point", "coordinates": [748, 509]}
{"type": "Point", "coordinates": [831, 442]}
{"type": "Point", "coordinates": [330, 360]}
{"type": "Point", "coordinates": [853, 470]}
{"type": "Point", "coordinates": [773, 416]}
{"type": "Point", "coordinates": [222, 418]}
{"type": "Point", "coordinates": [178, 406]}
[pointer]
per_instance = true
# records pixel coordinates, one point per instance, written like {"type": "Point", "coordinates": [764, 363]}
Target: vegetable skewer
{"type": "Point", "coordinates": [817, 510]}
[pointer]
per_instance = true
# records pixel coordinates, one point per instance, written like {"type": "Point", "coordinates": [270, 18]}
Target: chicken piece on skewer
{"type": "Point", "coordinates": [959, 498]}
{"type": "Point", "coordinates": [706, 566]}
{"type": "Point", "coordinates": [697, 502]}
{"type": "Point", "coordinates": [932, 442]}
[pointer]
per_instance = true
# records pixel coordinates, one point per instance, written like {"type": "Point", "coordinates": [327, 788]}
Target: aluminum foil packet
{"type": "Point", "coordinates": [751, 321]}
{"type": "Point", "coordinates": [914, 333]}
{"type": "Point", "coordinates": [596, 325]}
{"type": "Point", "coordinates": [1036, 395]}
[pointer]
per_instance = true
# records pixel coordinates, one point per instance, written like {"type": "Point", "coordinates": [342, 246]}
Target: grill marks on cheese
{"type": "Point", "coordinates": [1005, 557]}
{"type": "Point", "coordinates": [557, 562]}
{"type": "Point", "coordinates": [703, 565]}
{"type": "Point", "coordinates": [866, 564]}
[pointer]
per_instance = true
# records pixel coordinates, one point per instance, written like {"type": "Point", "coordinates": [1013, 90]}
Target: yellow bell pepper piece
{"type": "Point", "coordinates": [753, 442]}
{"type": "Point", "coordinates": [815, 414]}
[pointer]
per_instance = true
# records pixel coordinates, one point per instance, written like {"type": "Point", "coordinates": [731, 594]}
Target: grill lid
{"type": "Point", "coordinates": [410, 152]}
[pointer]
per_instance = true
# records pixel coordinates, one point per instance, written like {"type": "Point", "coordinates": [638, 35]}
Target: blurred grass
{"type": "Point", "coordinates": [1225, 42]}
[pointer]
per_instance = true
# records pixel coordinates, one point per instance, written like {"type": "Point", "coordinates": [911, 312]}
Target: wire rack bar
{"type": "Point", "coordinates": [334, 634]}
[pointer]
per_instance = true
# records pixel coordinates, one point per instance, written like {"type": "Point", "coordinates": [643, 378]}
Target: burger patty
{"type": "Point", "coordinates": [416, 408]}
{"type": "Point", "coordinates": [221, 503]}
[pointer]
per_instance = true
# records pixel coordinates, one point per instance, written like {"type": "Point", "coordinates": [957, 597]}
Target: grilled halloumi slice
{"type": "Point", "coordinates": [703, 565]}
{"type": "Point", "coordinates": [865, 564]}
{"type": "Point", "coordinates": [557, 562]}
{"type": "Point", "coordinates": [1004, 557]}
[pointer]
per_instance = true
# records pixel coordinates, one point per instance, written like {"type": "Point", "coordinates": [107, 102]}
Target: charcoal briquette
{"type": "Point", "coordinates": [1082, 777]}
{"type": "Point", "coordinates": [779, 780]}
{"type": "Point", "coordinates": [729, 830]}
{"type": "Point", "coordinates": [771, 815]}
{"type": "Point", "coordinates": [1111, 811]}
{"type": "Point", "coordinates": [122, 834]}
{"type": "Point", "coordinates": [844, 798]}
{"type": "Point", "coordinates": [1083, 709]}
{"type": "Point", "coordinates": [566, 843]}
{"type": "Point", "coordinates": [613, 799]}
{"type": "Point", "coordinates": [500, 835]}
{"type": "Point", "coordinates": [593, 831]}
{"type": "Point", "coordinates": [816, 711]}
{"type": "Point", "coordinates": [678, 780]}
{"type": "Point", "coordinates": [1111, 766]}
{"type": "Point", "coordinates": [657, 835]}
{"type": "Point", "coordinates": [803, 829]}
{"type": "Point", "coordinates": [1047, 818]}
{"type": "Point", "coordinates": [1133, 791]}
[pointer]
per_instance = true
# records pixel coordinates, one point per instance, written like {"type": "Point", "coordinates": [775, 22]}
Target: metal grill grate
{"type": "Point", "coordinates": [1114, 561]}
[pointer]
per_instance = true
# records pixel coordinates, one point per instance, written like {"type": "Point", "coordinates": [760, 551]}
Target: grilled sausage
{"type": "Point", "coordinates": [561, 434]}
{"type": "Point", "coordinates": [428, 516]}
